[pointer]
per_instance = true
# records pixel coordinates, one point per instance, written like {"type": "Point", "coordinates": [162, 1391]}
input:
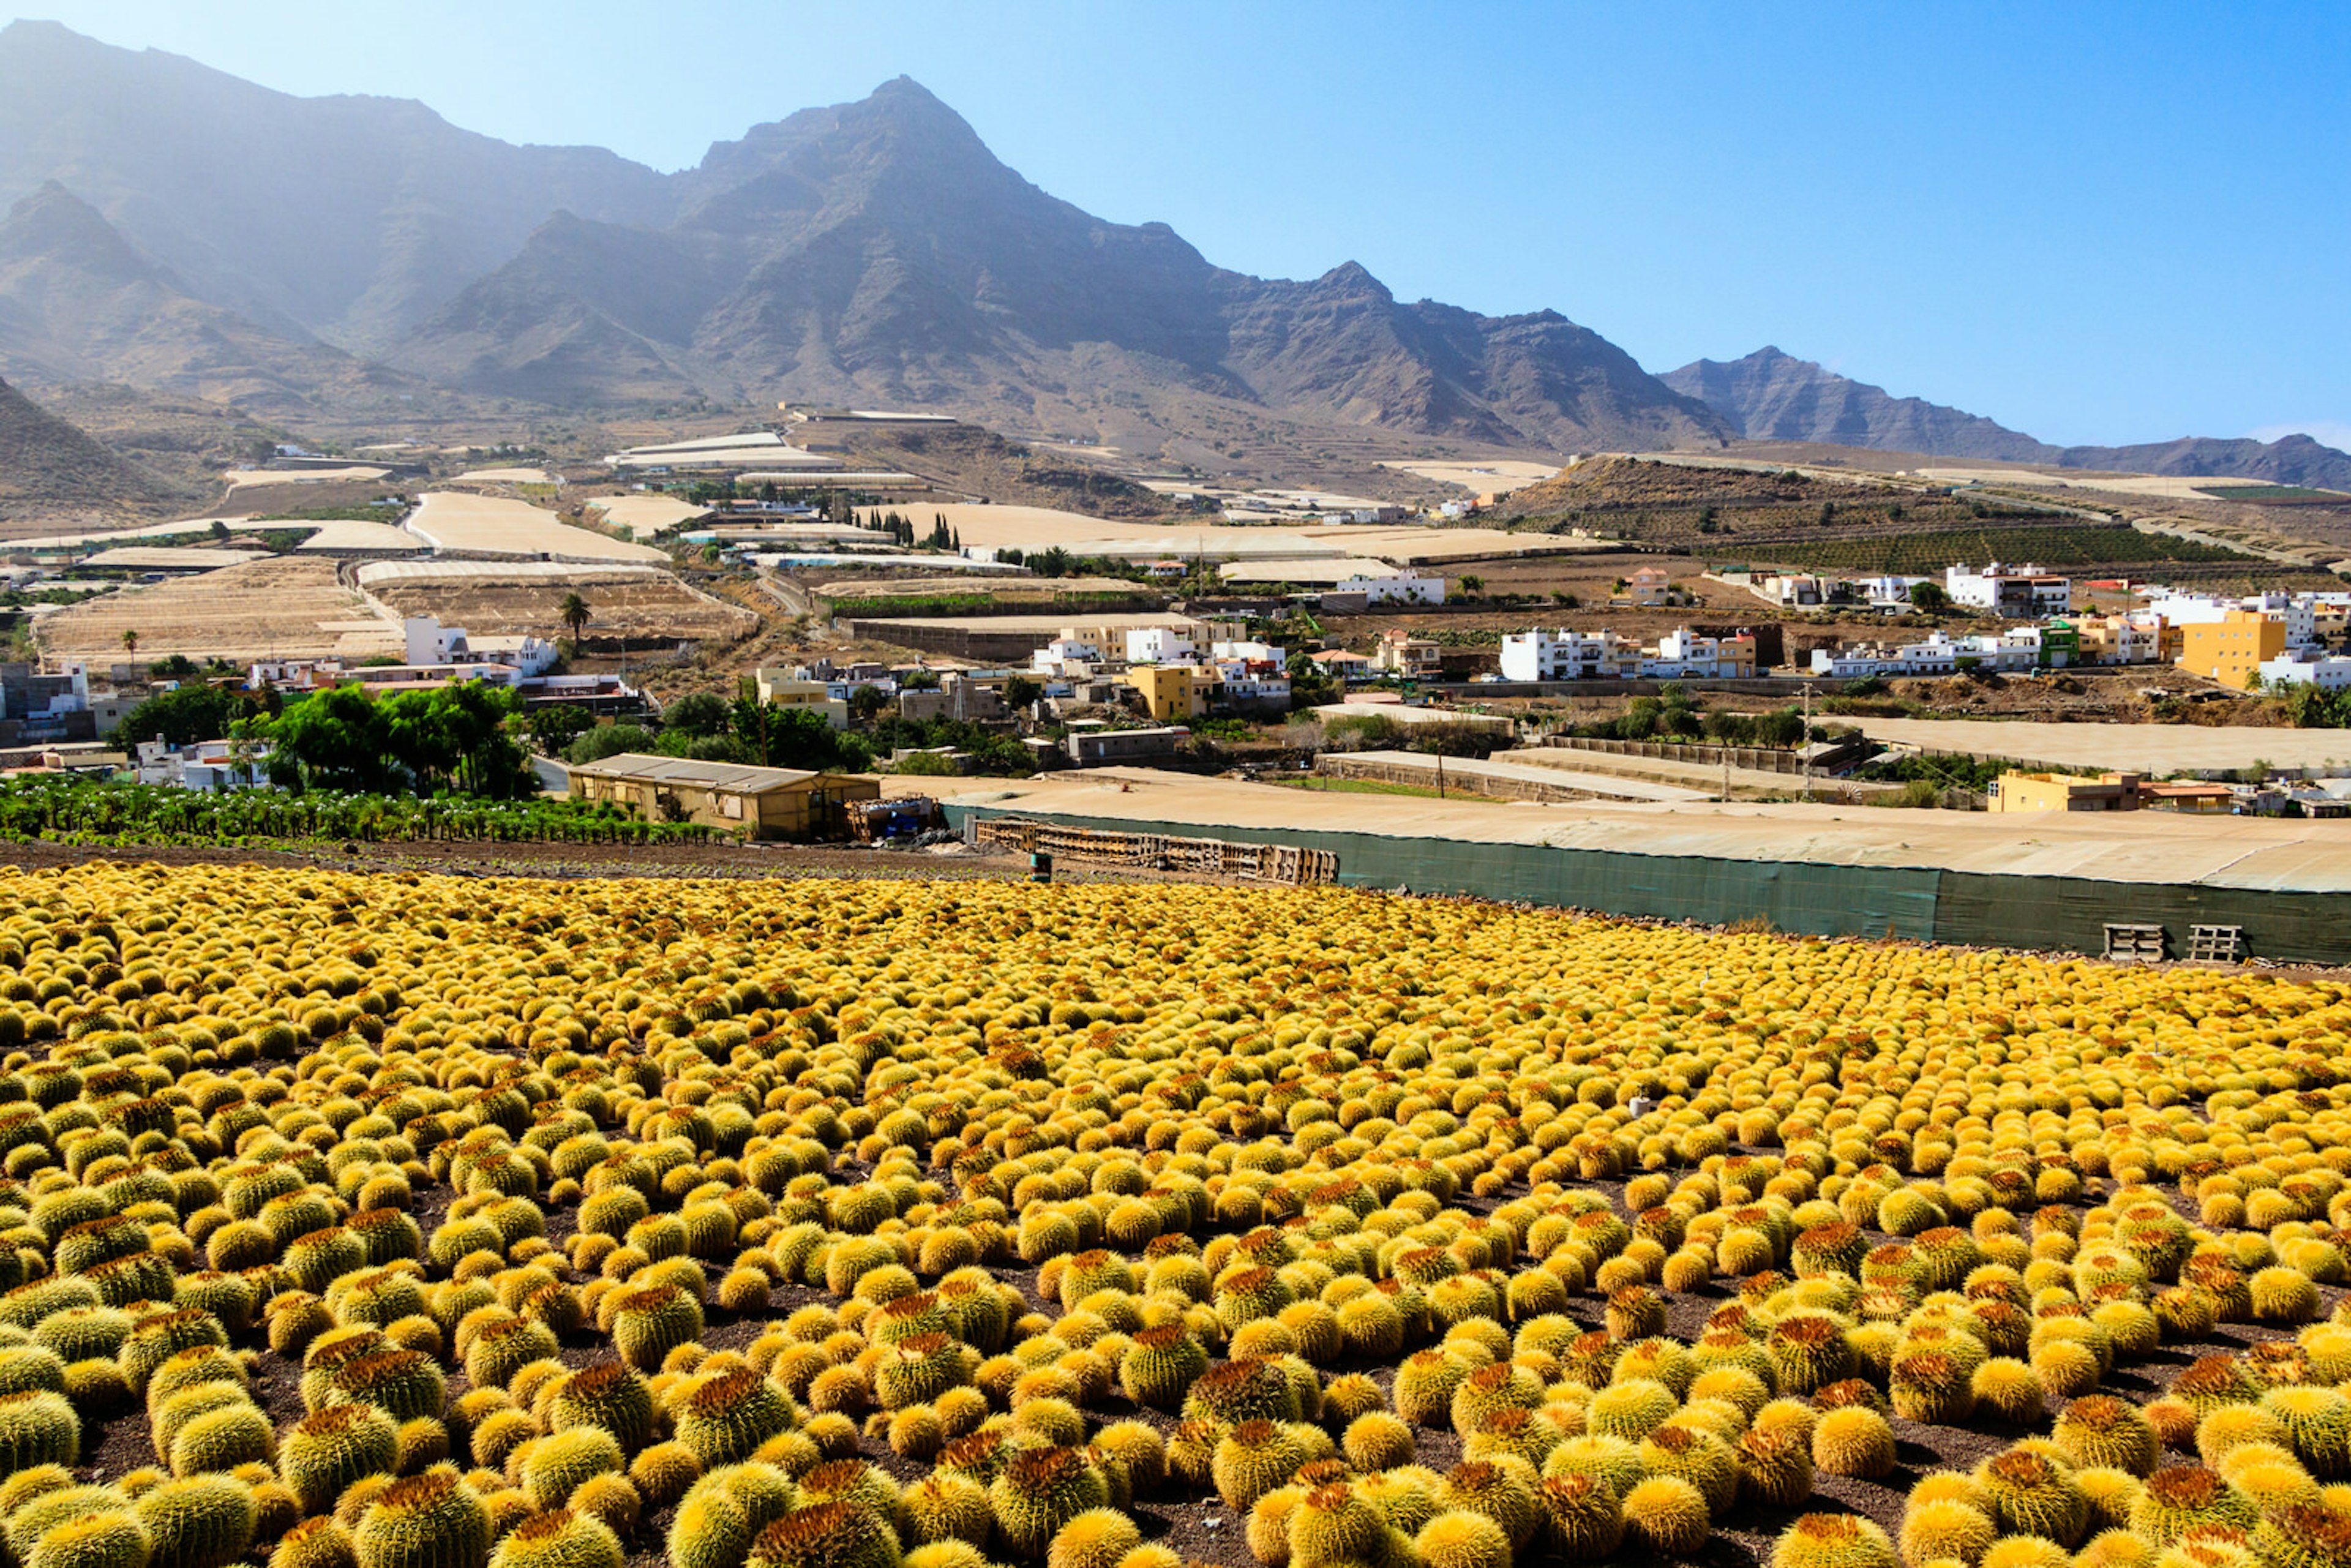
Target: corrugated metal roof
{"type": "Point", "coordinates": [734, 777]}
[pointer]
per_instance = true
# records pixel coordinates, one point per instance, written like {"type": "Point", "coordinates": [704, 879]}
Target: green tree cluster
{"type": "Point", "coordinates": [451, 738]}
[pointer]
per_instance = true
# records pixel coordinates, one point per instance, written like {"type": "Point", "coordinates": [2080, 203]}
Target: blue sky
{"type": "Point", "coordinates": [2095, 223]}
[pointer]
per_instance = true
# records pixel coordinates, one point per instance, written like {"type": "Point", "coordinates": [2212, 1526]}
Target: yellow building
{"type": "Point", "coordinates": [780, 688]}
{"type": "Point", "coordinates": [1173, 693]}
{"type": "Point", "coordinates": [2063, 792]}
{"type": "Point", "coordinates": [757, 802]}
{"type": "Point", "coordinates": [2231, 649]}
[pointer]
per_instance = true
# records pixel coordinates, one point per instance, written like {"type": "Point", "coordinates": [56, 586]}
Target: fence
{"type": "Point", "coordinates": [1283, 863]}
{"type": "Point", "coordinates": [1920, 903]}
{"type": "Point", "coordinates": [1762, 758]}
{"type": "Point", "coordinates": [1460, 780]}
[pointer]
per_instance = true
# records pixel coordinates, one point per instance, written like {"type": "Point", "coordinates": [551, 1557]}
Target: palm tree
{"type": "Point", "coordinates": [574, 610]}
{"type": "Point", "coordinates": [130, 641]}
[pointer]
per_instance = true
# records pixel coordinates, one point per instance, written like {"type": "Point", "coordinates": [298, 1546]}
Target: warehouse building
{"type": "Point", "coordinates": [759, 803]}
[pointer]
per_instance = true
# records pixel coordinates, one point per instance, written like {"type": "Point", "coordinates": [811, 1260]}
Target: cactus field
{"type": "Point", "coordinates": [402, 1221]}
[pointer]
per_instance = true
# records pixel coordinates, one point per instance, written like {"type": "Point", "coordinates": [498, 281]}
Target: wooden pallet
{"type": "Point", "coordinates": [2135, 943]}
{"type": "Point", "coordinates": [2216, 943]}
{"type": "Point", "coordinates": [1217, 857]}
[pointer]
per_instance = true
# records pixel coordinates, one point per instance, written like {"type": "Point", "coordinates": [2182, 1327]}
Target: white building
{"type": "Point", "coordinates": [1564, 655]}
{"type": "Point", "coordinates": [2330, 672]}
{"type": "Point", "coordinates": [208, 764]}
{"type": "Point", "coordinates": [429, 643]}
{"type": "Point", "coordinates": [1683, 655]}
{"type": "Point", "coordinates": [2024, 592]}
{"type": "Point", "coordinates": [1935, 655]}
{"type": "Point", "coordinates": [1398, 587]}
{"type": "Point", "coordinates": [1248, 650]}
{"type": "Point", "coordinates": [1067, 657]}
{"type": "Point", "coordinates": [1158, 645]}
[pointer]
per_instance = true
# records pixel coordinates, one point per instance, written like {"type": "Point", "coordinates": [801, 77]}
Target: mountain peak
{"type": "Point", "coordinates": [55, 225]}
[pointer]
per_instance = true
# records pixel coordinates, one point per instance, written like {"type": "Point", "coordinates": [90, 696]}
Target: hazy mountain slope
{"type": "Point", "coordinates": [2289, 460]}
{"type": "Point", "coordinates": [349, 217]}
{"type": "Point", "coordinates": [878, 251]}
{"type": "Point", "coordinates": [47, 465]}
{"type": "Point", "coordinates": [1773, 396]}
{"type": "Point", "coordinates": [78, 303]}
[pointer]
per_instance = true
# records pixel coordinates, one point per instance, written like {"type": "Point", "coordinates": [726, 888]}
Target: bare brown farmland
{"type": "Point", "coordinates": [282, 608]}
{"type": "Point", "coordinates": [654, 608]}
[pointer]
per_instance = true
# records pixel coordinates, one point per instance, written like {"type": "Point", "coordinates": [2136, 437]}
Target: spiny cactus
{"type": "Point", "coordinates": [156, 1337]}
{"type": "Point", "coordinates": [1332, 1525]}
{"type": "Point", "coordinates": [318, 1543]}
{"type": "Point", "coordinates": [563, 1538]}
{"type": "Point", "coordinates": [93, 1540]}
{"type": "Point", "coordinates": [403, 1383]}
{"type": "Point", "coordinates": [2032, 1494]}
{"type": "Point", "coordinates": [947, 1506]}
{"type": "Point", "coordinates": [725, 1513]}
{"type": "Point", "coordinates": [324, 1452]}
{"type": "Point", "coordinates": [79, 1333]}
{"type": "Point", "coordinates": [2102, 1431]}
{"type": "Point", "coordinates": [2317, 1422]}
{"type": "Point", "coordinates": [2007, 1390]}
{"type": "Point", "coordinates": [1253, 1459]}
{"type": "Point", "coordinates": [1832, 1541]}
{"type": "Point", "coordinates": [1940, 1529]}
{"type": "Point", "coordinates": [826, 1535]}
{"type": "Point", "coordinates": [918, 1370]}
{"type": "Point", "coordinates": [1853, 1440]}
{"type": "Point", "coordinates": [1158, 1369]}
{"type": "Point", "coordinates": [608, 1395]}
{"type": "Point", "coordinates": [432, 1521]}
{"type": "Point", "coordinates": [1665, 1515]}
{"type": "Point", "coordinates": [1504, 1385]}
{"type": "Point", "coordinates": [1775, 1466]}
{"type": "Point", "coordinates": [558, 1464]}
{"type": "Point", "coordinates": [1582, 1521]}
{"type": "Point", "coordinates": [503, 1348]}
{"type": "Point", "coordinates": [1041, 1489]}
{"type": "Point", "coordinates": [205, 1522]}
{"type": "Point", "coordinates": [1630, 1410]}
{"type": "Point", "coordinates": [2303, 1535]}
{"type": "Point", "coordinates": [1808, 1351]}
{"type": "Point", "coordinates": [1699, 1458]}
{"type": "Point", "coordinates": [725, 1418]}
{"type": "Point", "coordinates": [1932, 1389]}
{"type": "Point", "coordinates": [37, 1427]}
{"type": "Point", "coordinates": [1425, 1385]}
{"type": "Point", "coordinates": [1244, 1389]}
{"type": "Point", "coordinates": [236, 1434]}
{"type": "Point", "coordinates": [1503, 1492]}
{"type": "Point", "coordinates": [1462, 1540]}
{"type": "Point", "coordinates": [2188, 1498]}
{"type": "Point", "coordinates": [1098, 1537]}
{"type": "Point", "coordinates": [650, 1322]}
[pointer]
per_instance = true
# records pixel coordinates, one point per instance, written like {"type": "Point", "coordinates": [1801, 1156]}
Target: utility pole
{"type": "Point", "coordinates": [1807, 742]}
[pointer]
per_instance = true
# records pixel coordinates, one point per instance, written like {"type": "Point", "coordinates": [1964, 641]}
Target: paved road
{"type": "Point", "coordinates": [554, 778]}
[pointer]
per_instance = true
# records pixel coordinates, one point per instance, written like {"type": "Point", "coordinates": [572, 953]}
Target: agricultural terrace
{"type": "Point", "coordinates": [280, 607]}
{"type": "Point", "coordinates": [366, 1221]}
{"type": "Point", "coordinates": [460, 524]}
